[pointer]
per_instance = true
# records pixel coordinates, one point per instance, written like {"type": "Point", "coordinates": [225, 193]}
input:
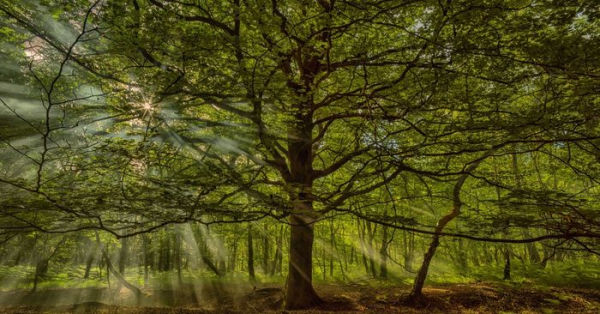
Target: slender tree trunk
{"type": "Point", "coordinates": [123, 255]}
{"type": "Point", "coordinates": [383, 252]}
{"type": "Point", "coordinates": [88, 266]}
{"type": "Point", "coordinates": [475, 257]}
{"type": "Point", "coordinates": [363, 245]}
{"type": "Point", "coordinates": [461, 255]}
{"type": "Point", "coordinates": [422, 274]}
{"type": "Point", "coordinates": [251, 274]}
{"type": "Point", "coordinates": [417, 291]}
{"type": "Point", "coordinates": [91, 256]}
{"type": "Point", "coordinates": [136, 291]}
{"type": "Point", "coordinates": [110, 269]}
{"type": "Point", "coordinates": [332, 245]}
{"type": "Point", "coordinates": [233, 256]}
{"type": "Point", "coordinates": [265, 252]}
{"type": "Point", "coordinates": [370, 249]}
{"type": "Point", "coordinates": [506, 263]}
{"type": "Point", "coordinates": [146, 258]}
{"type": "Point", "coordinates": [41, 267]}
{"type": "Point", "coordinates": [276, 267]}
{"type": "Point", "coordinates": [178, 256]}
{"type": "Point", "coordinates": [409, 251]}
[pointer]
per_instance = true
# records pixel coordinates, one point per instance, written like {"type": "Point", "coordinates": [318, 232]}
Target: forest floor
{"type": "Point", "coordinates": [213, 297]}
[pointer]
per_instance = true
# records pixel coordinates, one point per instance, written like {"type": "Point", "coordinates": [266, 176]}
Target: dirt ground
{"type": "Point", "coordinates": [220, 298]}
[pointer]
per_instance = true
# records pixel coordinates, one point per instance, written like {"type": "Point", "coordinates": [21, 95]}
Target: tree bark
{"type": "Point", "coordinates": [300, 292]}
{"type": "Point", "coordinates": [506, 264]}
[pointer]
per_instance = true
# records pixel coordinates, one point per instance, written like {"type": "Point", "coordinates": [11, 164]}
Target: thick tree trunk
{"type": "Point", "coordinates": [300, 292]}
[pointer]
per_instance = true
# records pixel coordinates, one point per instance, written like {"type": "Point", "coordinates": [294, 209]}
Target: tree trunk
{"type": "Point", "coordinates": [41, 267]}
{"type": "Point", "coordinates": [233, 256]}
{"type": "Point", "coordinates": [277, 260]}
{"type": "Point", "coordinates": [370, 249]}
{"type": "Point", "coordinates": [332, 248]}
{"type": "Point", "coordinates": [178, 256]}
{"type": "Point", "coordinates": [251, 274]}
{"type": "Point", "coordinates": [300, 292]}
{"type": "Point", "coordinates": [422, 274]}
{"type": "Point", "coordinates": [416, 292]}
{"type": "Point", "coordinates": [409, 253]}
{"type": "Point", "coordinates": [123, 255]}
{"type": "Point", "coordinates": [363, 246]}
{"type": "Point", "coordinates": [136, 291]}
{"type": "Point", "coordinates": [265, 252]}
{"type": "Point", "coordinates": [110, 268]}
{"type": "Point", "coordinates": [88, 265]}
{"type": "Point", "coordinates": [461, 256]}
{"type": "Point", "coordinates": [146, 258]}
{"type": "Point", "coordinates": [506, 264]}
{"type": "Point", "coordinates": [91, 256]}
{"type": "Point", "coordinates": [383, 252]}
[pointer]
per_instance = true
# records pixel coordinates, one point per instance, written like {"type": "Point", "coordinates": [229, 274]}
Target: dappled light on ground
{"type": "Point", "coordinates": [456, 298]}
